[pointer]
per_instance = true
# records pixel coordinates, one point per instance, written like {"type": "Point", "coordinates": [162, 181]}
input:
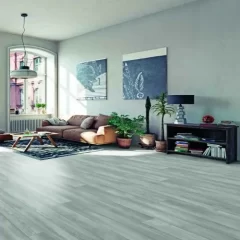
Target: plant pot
{"type": "Point", "coordinates": [39, 110]}
{"type": "Point", "coordinates": [43, 111]}
{"type": "Point", "coordinates": [160, 146]}
{"type": "Point", "coordinates": [147, 140]}
{"type": "Point", "coordinates": [124, 142]}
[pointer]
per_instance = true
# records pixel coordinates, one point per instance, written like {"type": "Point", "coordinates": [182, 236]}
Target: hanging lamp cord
{"type": "Point", "coordinates": [23, 41]}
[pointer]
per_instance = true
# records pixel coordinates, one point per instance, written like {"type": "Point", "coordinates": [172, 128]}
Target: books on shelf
{"type": "Point", "coordinates": [215, 150]}
{"type": "Point", "coordinates": [212, 140]}
{"type": "Point", "coordinates": [181, 146]}
{"type": "Point", "coordinates": [196, 151]}
{"type": "Point", "coordinates": [214, 146]}
{"type": "Point", "coordinates": [187, 136]}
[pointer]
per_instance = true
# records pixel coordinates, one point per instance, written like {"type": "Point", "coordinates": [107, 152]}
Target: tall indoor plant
{"type": "Point", "coordinates": [126, 127]}
{"type": "Point", "coordinates": [162, 108]}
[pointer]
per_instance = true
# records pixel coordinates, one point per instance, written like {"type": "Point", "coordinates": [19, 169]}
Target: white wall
{"type": "Point", "coordinates": [203, 40]}
{"type": "Point", "coordinates": [8, 40]}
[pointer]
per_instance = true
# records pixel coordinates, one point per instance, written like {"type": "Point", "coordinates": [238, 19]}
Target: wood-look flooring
{"type": "Point", "coordinates": [118, 195]}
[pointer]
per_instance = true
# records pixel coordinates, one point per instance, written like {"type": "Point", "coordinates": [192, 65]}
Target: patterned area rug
{"type": "Point", "coordinates": [48, 151]}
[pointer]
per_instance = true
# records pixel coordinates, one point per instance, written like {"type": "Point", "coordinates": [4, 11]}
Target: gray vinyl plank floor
{"type": "Point", "coordinates": [117, 194]}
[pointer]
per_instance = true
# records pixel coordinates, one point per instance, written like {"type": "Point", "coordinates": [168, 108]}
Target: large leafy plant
{"type": "Point", "coordinates": [162, 108]}
{"type": "Point", "coordinates": [125, 126]}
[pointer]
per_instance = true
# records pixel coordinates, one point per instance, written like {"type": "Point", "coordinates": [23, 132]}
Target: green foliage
{"type": "Point", "coordinates": [162, 108]}
{"type": "Point", "coordinates": [43, 105]}
{"type": "Point", "coordinates": [38, 105]}
{"type": "Point", "coordinates": [125, 126]}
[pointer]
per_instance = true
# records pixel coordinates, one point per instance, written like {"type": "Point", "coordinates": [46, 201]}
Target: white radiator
{"type": "Point", "coordinates": [19, 123]}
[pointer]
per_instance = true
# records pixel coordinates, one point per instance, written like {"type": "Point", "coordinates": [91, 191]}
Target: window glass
{"type": "Point", "coordinates": [24, 94]}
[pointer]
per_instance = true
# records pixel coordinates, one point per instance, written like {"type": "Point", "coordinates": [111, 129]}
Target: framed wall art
{"type": "Point", "coordinates": [145, 74]}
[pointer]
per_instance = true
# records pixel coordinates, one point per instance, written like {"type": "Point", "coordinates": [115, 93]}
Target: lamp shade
{"type": "Point", "coordinates": [23, 73]}
{"type": "Point", "coordinates": [180, 99]}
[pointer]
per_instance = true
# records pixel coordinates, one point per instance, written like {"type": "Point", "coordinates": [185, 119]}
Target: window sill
{"type": "Point", "coordinates": [32, 116]}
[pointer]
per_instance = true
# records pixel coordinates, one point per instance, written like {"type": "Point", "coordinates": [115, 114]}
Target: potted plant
{"type": "Point", "coordinates": [126, 127]}
{"type": "Point", "coordinates": [147, 139]}
{"type": "Point", "coordinates": [38, 106]}
{"type": "Point", "coordinates": [162, 108]}
{"type": "Point", "coordinates": [43, 105]}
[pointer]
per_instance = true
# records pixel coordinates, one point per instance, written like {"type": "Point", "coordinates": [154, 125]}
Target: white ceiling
{"type": "Point", "coordinates": [62, 19]}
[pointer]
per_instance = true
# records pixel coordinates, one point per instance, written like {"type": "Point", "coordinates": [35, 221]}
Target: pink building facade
{"type": "Point", "coordinates": [24, 94]}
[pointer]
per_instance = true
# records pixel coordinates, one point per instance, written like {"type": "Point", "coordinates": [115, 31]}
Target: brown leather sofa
{"type": "Point", "coordinates": [99, 133]}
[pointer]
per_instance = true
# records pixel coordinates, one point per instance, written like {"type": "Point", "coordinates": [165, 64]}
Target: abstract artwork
{"type": "Point", "coordinates": [93, 79]}
{"type": "Point", "coordinates": [145, 74]}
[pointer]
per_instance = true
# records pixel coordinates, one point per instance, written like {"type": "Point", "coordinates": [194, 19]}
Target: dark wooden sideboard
{"type": "Point", "coordinates": [221, 135]}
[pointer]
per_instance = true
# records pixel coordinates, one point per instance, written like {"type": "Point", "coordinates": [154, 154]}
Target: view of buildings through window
{"type": "Point", "coordinates": [25, 93]}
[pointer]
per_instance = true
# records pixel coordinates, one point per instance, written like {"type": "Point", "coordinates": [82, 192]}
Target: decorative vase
{"type": "Point", "coordinates": [43, 111]}
{"type": "Point", "coordinates": [208, 119]}
{"type": "Point", "coordinates": [147, 140]}
{"type": "Point", "coordinates": [124, 142]}
{"type": "Point", "coordinates": [39, 110]}
{"type": "Point", "coordinates": [160, 146]}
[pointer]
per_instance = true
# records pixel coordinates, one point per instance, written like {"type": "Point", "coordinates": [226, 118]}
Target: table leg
{"type": "Point", "coordinates": [29, 144]}
{"type": "Point", "coordinates": [52, 141]}
{"type": "Point", "coordinates": [16, 142]}
{"type": "Point", "coordinates": [40, 140]}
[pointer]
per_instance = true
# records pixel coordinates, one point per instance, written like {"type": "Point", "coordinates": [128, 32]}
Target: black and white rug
{"type": "Point", "coordinates": [48, 151]}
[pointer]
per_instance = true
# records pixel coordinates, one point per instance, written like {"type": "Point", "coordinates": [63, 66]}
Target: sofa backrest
{"type": "Point", "coordinates": [76, 120]}
{"type": "Point", "coordinates": [101, 120]}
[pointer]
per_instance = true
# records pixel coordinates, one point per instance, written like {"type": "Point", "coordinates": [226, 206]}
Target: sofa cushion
{"type": "Point", "coordinates": [101, 120]}
{"type": "Point", "coordinates": [76, 120]}
{"type": "Point", "coordinates": [87, 122]}
{"type": "Point", "coordinates": [92, 138]}
{"type": "Point", "coordinates": [57, 121]}
{"type": "Point", "coordinates": [74, 134]}
{"type": "Point", "coordinates": [56, 129]}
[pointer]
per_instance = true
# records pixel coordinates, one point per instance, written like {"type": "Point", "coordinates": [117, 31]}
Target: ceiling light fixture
{"type": "Point", "coordinates": [23, 72]}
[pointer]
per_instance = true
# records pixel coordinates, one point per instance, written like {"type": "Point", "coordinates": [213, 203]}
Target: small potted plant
{"type": "Point", "coordinates": [126, 127]}
{"type": "Point", "coordinates": [162, 108]}
{"type": "Point", "coordinates": [43, 105]}
{"type": "Point", "coordinates": [38, 106]}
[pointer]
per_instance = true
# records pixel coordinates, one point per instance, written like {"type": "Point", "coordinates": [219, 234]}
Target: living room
{"type": "Point", "coordinates": [109, 192]}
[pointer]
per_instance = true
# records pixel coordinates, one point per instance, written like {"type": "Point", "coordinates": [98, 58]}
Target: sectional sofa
{"type": "Point", "coordinates": [97, 133]}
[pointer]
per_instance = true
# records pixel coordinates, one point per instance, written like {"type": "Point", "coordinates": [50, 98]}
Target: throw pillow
{"type": "Point", "coordinates": [51, 121]}
{"type": "Point", "coordinates": [1, 131]}
{"type": "Point", "coordinates": [57, 122]}
{"type": "Point", "coordinates": [87, 122]}
{"type": "Point", "coordinates": [101, 120]}
{"type": "Point", "coordinates": [62, 122]}
{"type": "Point", "coordinates": [76, 120]}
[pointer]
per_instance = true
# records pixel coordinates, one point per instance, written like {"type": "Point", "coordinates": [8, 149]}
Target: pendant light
{"type": "Point", "coordinates": [23, 72]}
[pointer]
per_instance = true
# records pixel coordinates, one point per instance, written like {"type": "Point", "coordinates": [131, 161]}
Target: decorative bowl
{"type": "Point", "coordinates": [208, 119]}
